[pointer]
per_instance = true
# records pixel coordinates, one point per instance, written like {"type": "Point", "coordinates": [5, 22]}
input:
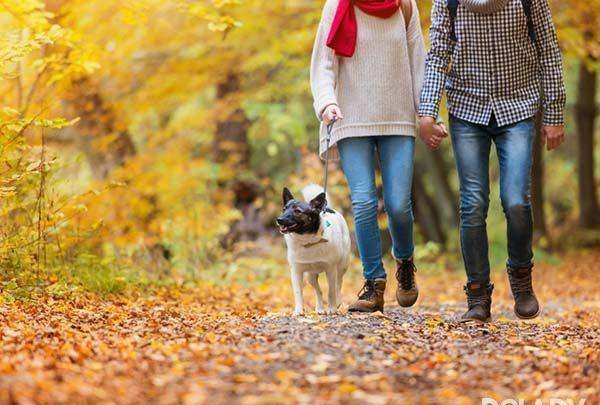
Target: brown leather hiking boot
{"type": "Point", "coordinates": [407, 292]}
{"type": "Point", "coordinates": [479, 299]}
{"type": "Point", "coordinates": [526, 303]}
{"type": "Point", "coordinates": [370, 297]}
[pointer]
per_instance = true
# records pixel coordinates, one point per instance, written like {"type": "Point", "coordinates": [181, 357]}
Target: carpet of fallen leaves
{"type": "Point", "coordinates": [230, 345]}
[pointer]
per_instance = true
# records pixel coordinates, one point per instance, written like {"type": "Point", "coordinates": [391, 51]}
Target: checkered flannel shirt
{"type": "Point", "coordinates": [494, 67]}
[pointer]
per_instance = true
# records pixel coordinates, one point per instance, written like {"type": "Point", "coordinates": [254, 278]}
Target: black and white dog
{"type": "Point", "coordinates": [318, 241]}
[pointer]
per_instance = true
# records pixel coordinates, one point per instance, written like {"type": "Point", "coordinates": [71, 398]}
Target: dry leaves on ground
{"type": "Point", "coordinates": [232, 345]}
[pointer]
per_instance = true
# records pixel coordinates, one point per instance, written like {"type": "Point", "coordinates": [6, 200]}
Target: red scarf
{"type": "Point", "coordinates": [342, 36]}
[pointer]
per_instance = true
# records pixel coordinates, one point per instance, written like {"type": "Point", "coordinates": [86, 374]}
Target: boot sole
{"type": "Point", "coordinates": [407, 305]}
{"type": "Point", "coordinates": [365, 311]}
{"type": "Point", "coordinates": [486, 320]}
{"type": "Point", "coordinates": [528, 317]}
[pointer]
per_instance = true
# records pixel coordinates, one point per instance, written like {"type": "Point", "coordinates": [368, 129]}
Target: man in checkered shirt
{"type": "Point", "coordinates": [498, 60]}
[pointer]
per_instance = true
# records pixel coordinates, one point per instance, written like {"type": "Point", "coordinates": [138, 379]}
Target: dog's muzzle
{"type": "Point", "coordinates": [284, 225]}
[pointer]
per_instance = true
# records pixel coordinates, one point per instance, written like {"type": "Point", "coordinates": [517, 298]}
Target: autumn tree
{"type": "Point", "coordinates": [39, 58]}
{"type": "Point", "coordinates": [577, 22]}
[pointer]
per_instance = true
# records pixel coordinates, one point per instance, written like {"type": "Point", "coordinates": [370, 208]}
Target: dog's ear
{"type": "Point", "coordinates": [287, 196]}
{"type": "Point", "coordinates": [318, 203]}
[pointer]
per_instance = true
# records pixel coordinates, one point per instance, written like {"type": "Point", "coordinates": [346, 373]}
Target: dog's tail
{"type": "Point", "coordinates": [311, 191]}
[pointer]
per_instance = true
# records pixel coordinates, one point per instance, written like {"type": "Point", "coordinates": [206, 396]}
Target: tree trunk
{"type": "Point", "coordinates": [230, 148]}
{"type": "Point", "coordinates": [426, 213]}
{"type": "Point", "coordinates": [589, 214]}
{"type": "Point", "coordinates": [230, 144]}
{"type": "Point", "coordinates": [106, 143]}
{"type": "Point", "coordinates": [446, 200]}
{"type": "Point", "coordinates": [537, 181]}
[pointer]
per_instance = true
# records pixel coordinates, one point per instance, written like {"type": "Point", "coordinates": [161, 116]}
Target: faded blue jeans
{"type": "Point", "coordinates": [472, 144]}
{"type": "Point", "coordinates": [396, 154]}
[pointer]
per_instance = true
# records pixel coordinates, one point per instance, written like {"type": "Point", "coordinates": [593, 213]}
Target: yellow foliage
{"type": "Point", "coordinates": [110, 110]}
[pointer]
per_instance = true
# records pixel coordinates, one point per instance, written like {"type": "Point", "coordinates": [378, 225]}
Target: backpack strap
{"type": "Point", "coordinates": [530, 26]}
{"type": "Point", "coordinates": [406, 6]}
{"type": "Point", "coordinates": [453, 11]}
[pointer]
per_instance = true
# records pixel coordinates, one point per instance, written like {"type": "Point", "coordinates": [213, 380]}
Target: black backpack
{"type": "Point", "coordinates": [453, 10]}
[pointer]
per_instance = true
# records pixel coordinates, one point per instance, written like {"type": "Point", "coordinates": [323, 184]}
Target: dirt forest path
{"type": "Point", "coordinates": [217, 345]}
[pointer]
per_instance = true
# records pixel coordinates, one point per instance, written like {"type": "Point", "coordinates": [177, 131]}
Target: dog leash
{"type": "Point", "coordinates": [328, 141]}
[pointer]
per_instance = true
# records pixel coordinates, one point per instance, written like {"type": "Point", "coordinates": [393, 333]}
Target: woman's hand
{"type": "Point", "coordinates": [431, 133]}
{"type": "Point", "coordinates": [332, 111]}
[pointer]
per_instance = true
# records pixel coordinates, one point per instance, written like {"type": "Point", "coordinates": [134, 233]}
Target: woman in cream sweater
{"type": "Point", "coordinates": [366, 73]}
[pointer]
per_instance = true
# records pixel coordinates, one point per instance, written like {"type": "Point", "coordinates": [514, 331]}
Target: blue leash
{"type": "Point", "coordinates": [328, 141]}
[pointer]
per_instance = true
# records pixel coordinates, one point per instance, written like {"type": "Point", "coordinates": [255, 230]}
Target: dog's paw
{"type": "Point", "coordinates": [298, 312]}
{"type": "Point", "coordinates": [320, 310]}
{"type": "Point", "coordinates": [331, 311]}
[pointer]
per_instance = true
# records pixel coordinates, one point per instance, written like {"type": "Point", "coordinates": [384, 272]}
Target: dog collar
{"type": "Point", "coordinates": [325, 223]}
{"type": "Point", "coordinates": [311, 244]}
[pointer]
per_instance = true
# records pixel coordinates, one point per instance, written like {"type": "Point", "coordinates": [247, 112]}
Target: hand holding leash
{"type": "Point", "coordinates": [332, 112]}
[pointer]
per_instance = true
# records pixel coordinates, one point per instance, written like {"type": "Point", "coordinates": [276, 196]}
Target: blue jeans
{"type": "Point", "coordinates": [396, 154]}
{"type": "Point", "coordinates": [472, 144]}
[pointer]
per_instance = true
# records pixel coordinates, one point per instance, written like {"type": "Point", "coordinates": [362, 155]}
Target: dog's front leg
{"type": "Point", "coordinates": [297, 287]}
{"type": "Point", "coordinates": [340, 275]}
{"type": "Point", "coordinates": [332, 292]}
{"type": "Point", "coordinates": [313, 279]}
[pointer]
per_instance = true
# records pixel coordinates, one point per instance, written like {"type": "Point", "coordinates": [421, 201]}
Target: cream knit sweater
{"type": "Point", "coordinates": [378, 88]}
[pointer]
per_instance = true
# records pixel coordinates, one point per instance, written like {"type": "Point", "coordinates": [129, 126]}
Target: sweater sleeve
{"type": "Point", "coordinates": [416, 54]}
{"type": "Point", "coordinates": [324, 63]}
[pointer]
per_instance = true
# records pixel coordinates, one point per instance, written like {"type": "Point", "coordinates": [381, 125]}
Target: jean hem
{"type": "Point", "coordinates": [375, 278]}
{"type": "Point", "coordinates": [402, 256]}
{"type": "Point", "coordinates": [482, 282]}
{"type": "Point", "coordinates": [514, 265]}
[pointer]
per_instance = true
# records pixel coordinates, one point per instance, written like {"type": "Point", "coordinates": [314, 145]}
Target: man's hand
{"type": "Point", "coordinates": [431, 133]}
{"type": "Point", "coordinates": [332, 111]}
{"type": "Point", "coordinates": [553, 136]}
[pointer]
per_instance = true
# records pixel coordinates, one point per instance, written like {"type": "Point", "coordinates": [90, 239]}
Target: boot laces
{"type": "Point", "coordinates": [521, 284]}
{"type": "Point", "coordinates": [406, 274]}
{"type": "Point", "coordinates": [477, 298]}
{"type": "Point", "coordinates": [368, 290]}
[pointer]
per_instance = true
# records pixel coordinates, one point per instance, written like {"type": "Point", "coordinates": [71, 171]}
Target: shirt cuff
{"type": "Point", "coordinates": [322, 103]}
{"type": "Point", "coordinates": [429, 110]}
{"type": "Point", "coordinates": [553, 117]}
